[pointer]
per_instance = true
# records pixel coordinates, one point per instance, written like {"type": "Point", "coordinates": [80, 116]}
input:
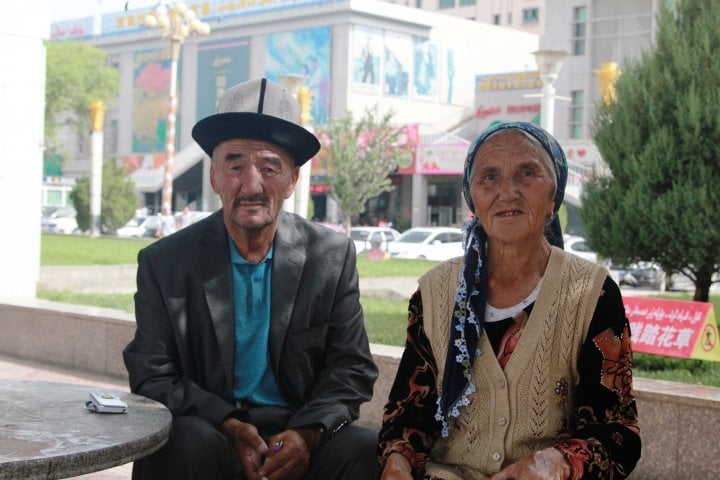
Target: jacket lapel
{"type": "Point", "coordinates": [287, 268]}
{"type": "Point", "coordinates": [216, 276]}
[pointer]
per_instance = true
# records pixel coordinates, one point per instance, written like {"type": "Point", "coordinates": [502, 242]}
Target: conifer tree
{"type": "Point", "coordinates": [661, 141]}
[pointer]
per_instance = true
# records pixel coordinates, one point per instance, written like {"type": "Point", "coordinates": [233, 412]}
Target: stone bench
{"type": "Point", "coordinates": [679, 422]}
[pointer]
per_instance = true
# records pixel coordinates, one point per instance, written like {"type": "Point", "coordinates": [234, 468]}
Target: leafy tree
{"type": "Point", "coordinates": [76, 75]}
{"type": "Point", "coordinates": [361, 154]}
{"type": "Point", "coordinates": [661, 141]}
{"type": "Point", "coordinates": [118, 199]}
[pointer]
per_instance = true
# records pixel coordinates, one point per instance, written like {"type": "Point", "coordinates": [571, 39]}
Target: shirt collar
{"type": "Point", "coordinates": [236, 258]}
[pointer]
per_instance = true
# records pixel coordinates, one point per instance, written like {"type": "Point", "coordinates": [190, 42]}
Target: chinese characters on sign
{"type": "Point", "coordinates": [673, 328]}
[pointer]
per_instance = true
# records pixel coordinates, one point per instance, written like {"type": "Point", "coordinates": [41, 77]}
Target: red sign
{"type": "Point", "coordinates": [672, 328]}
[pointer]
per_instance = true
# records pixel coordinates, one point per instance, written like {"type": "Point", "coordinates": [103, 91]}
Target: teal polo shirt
{"type": "Point", "coordinates": [253, 377]}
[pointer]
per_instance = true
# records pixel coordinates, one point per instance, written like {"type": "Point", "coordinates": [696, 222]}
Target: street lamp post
{"type": "Point", "coordinates": [293, 84]}
{"type": "Point", "coordinates": [97, 112]}
{"type": "Point", "coordinates": [549, 63]}
{"type": "Point", "coordinates": [176, 22]}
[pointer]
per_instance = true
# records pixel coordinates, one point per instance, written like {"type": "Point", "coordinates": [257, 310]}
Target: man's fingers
{"type": "Point", "coordinates": [250, 461]}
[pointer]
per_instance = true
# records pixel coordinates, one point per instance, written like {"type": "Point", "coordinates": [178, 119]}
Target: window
{"type": "Point", "coordinates": [465, 3]}
{"type": "Point", "coordinates": [579, 30]}
{"type": "Point", "coordinates": [509, 18]}
{"type": "Point", "coordinates": [444, 4]}
{"type": "Point", "coordinates": [577, 102]}
{"type": "Point", "coordinates": [530, 16]}
{"type": "Point", "coordinates": [53, 197]}
{"type": "Point", "coordinates": [496, 20]}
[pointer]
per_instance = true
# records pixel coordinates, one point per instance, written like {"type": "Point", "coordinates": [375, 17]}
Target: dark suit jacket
{"type": "Point", "coordinates": [183, 351]}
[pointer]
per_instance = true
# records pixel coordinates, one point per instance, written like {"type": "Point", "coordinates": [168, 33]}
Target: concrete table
{"type": "Point", "coordinates": [46, 432]}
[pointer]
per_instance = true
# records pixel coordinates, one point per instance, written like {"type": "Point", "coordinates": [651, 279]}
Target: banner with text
{"type": "Point", "coordinates": [673, 328]}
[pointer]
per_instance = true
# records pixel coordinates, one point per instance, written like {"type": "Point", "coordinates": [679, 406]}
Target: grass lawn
{"type": "Point", "coordinates": [82, 250]}
{"type": "Point", "coordinates": [385, 320]}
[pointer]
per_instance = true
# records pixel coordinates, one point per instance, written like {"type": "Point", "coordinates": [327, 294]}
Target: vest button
{"type": "Point", "coordinates": [502, 421]}
{"type": "Point", "coordinates": [496, 456]}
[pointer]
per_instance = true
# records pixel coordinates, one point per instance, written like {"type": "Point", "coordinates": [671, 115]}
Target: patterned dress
{"type": "Point", "coordinates": [602, 439]}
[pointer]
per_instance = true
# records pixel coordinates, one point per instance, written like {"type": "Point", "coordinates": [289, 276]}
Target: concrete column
{"type": "Point", "coordinates": [22, 92]}
{"type": "Point", "coordinates": [418, 217]}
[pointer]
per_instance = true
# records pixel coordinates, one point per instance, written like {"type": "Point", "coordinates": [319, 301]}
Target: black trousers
{"type": "Point", "coordinates": [196, 450]}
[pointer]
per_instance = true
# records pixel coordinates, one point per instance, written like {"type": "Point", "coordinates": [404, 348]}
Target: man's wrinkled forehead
{"type": "Point", "coordinates": [252, 146]}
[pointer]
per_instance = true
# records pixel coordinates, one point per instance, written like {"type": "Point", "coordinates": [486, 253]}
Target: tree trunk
{"type": "Point", "coordinates": [703, 280]}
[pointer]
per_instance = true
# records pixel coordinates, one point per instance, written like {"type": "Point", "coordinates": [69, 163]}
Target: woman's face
{"type": "Point", "coordinates": [512, 185]}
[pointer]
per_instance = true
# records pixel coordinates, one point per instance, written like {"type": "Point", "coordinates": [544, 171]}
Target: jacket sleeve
{"type": "Point", "coordinates": [409, 426]}
{"type": "Point", "coordinates": [345, 371]}
{"type": "Point", "coordinates": [604, 432]}
{"type": "Point", "coordinates": [157, 359]}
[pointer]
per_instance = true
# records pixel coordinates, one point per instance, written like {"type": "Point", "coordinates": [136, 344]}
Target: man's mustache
{"type": "Point", "coordinates": [249, 198]}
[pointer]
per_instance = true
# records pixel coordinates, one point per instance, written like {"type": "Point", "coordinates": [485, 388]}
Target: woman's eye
{"type": "Point", "coordinates": [488, 177]}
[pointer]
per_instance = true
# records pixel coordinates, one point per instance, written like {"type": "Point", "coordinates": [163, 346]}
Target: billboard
{"type": "Point", "coordinates": [151, 87]}
{"type": "Point", "coordinates": [221, 64]}
{"type": "Point", "coordinates": [305, 53]}
{"type": "Point", "coordinates": [366, 59]}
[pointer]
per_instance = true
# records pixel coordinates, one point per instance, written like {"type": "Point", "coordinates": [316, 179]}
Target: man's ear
{"type": "Point", "coordinates": [212, 176]}
{"type": "Point", "coordinates": [293, 182]}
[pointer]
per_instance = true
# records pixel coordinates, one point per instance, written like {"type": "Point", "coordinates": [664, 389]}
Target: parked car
{"type": "Point", "coordinates": [579, 247]}
{"type": "Point", "coordinates": [428, 243]}
{"type": "Point", "coordinates": [373, 238]}
{"type": "Point", "coordinates": [60, 220]}
{"type": "Point", "coordinates": [644, 275]}
{"type": "Point", "coordinates": [194, 215]}
{"type": "Point", "coordinates": [338, 227]}
{"type": "Point", "coordinates": [139, 227]}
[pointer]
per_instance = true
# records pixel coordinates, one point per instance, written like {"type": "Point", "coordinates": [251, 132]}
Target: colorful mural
{"type": "Point", "coordinates": [151, 86]}
{"type": "Point", "coordinates": [367, 53]}
{"type": "Point", "coordinates": [306, 53]}
{"type": "Point", "coordinates": [221, 64]}
{"type": "Point", "coordinates": [397, 64]}
{"type": "Point", "coordinates": [425, 78]}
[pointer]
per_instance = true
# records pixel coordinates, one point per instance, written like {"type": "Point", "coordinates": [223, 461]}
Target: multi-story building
{"type": "Point", "coordinates": [525, 15]}
{"type": "Point", "coordinates": [352, 54]}
{"type": "Point", "coordinates": [600, 37]}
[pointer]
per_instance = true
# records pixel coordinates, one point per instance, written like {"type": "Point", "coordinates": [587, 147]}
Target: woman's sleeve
{"type": "Point", "coordinates": [409, 426]}
{"type": "Point", "coordinates": [604, 435]}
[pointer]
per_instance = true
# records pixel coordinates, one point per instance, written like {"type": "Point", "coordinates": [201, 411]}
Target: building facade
{"type": "Point", "coordinates": [524, 15]}
{"type": "Point", "coordinates": [352, 54]}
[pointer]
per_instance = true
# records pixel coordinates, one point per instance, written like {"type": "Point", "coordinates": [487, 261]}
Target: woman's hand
{"type": "Point", "coordinates": [548, 464]}
{"type": "Point", "coordinates": [397, 467]}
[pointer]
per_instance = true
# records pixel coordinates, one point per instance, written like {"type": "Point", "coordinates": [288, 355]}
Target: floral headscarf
{"type": "Point", "coordinates": [471, 297]}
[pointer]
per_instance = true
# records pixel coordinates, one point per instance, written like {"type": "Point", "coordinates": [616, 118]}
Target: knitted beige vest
{"type": "Point", "coordinates": [523, 408]}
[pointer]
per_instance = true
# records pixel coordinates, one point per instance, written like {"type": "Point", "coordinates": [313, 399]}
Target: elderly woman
{"type": "Point", "coordinates": [518, 361]}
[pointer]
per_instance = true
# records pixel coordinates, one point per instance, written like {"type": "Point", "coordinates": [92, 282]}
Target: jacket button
{"type": "Point", "coordinates": [496, 456]}
{"type": "Point", "coordinates": [502, 421]}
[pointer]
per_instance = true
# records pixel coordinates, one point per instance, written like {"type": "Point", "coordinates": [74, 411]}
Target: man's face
{"type": "Point", "coordinates": [253, 178]}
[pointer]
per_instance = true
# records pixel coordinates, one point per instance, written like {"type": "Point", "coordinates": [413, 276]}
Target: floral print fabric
{"type": "Point", "coordinates": [602, 438]}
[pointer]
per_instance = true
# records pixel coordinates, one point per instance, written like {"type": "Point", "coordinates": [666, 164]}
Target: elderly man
{"type": "Point", "coordinates": [249, 326]}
